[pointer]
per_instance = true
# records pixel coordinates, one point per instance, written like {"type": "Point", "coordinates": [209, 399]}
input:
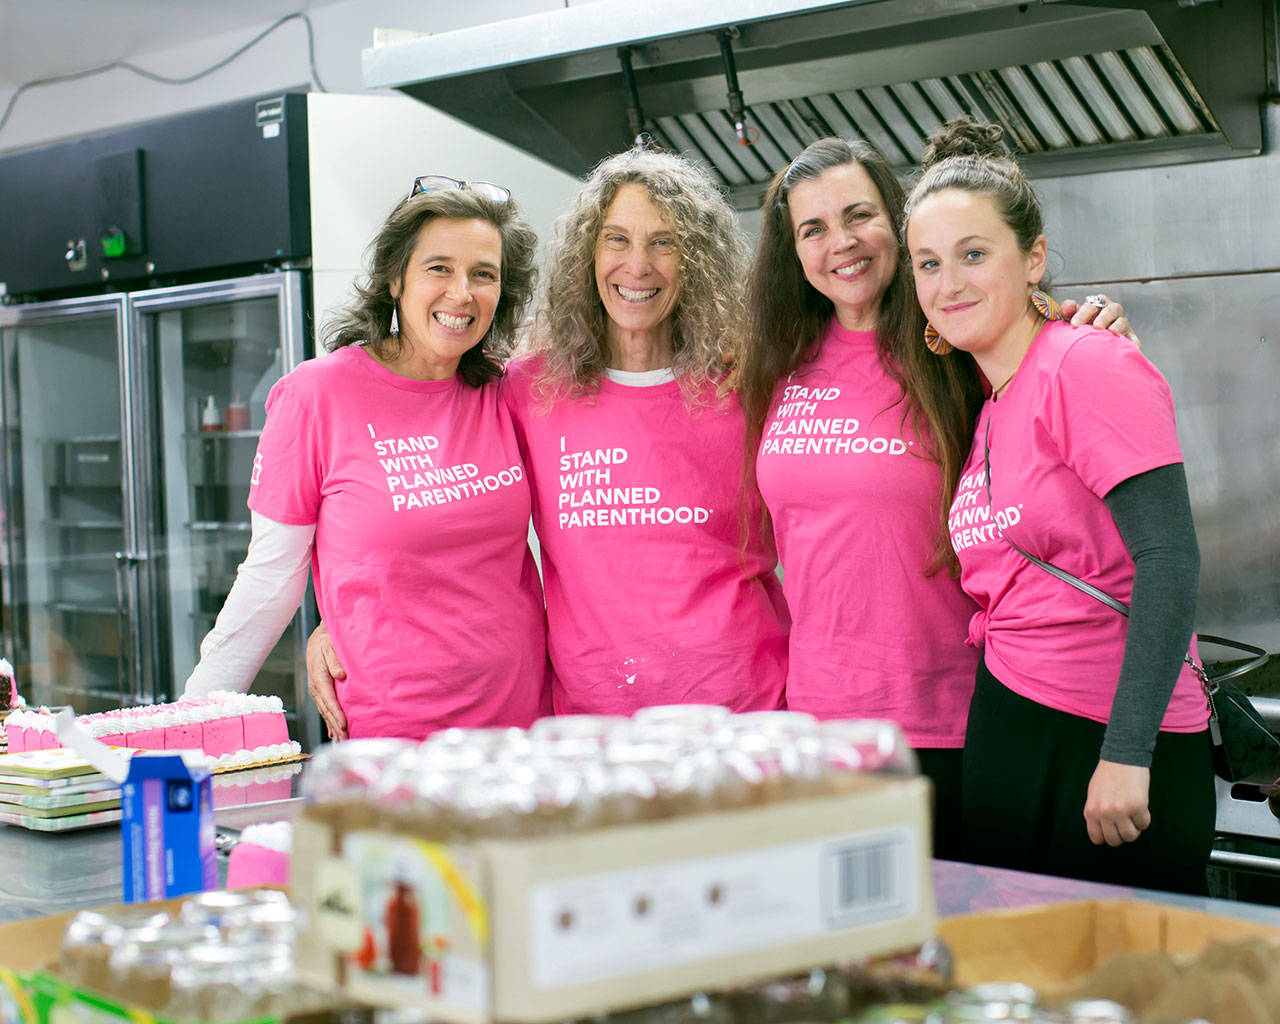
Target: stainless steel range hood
{"type": "Point", "coordinates": [1079, 86]}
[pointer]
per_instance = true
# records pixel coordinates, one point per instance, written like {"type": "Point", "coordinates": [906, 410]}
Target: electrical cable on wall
{"type": "Point", "coordinates": [179, 80]}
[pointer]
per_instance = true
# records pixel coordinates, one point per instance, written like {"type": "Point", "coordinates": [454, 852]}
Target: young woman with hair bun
{"type": "Point", "coordinates": [1086, 750]}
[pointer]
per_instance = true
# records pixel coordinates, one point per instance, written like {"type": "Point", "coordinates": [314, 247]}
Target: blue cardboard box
{"type": "Point", "coordinates": [167, 828]}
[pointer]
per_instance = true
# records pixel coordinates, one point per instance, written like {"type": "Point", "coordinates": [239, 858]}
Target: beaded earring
{"type": "Point", "coordinates": [1045, 305]}
{"type": "Point", "coordinates": [934, 341]}
{"type": "Point", "coordinates": [395, 322]}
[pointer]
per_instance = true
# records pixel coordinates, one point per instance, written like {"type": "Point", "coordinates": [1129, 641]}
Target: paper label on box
{"type": "Point", "coordinates": [617, 923]}
{"type": "Point", "coordinates": [410, 917]}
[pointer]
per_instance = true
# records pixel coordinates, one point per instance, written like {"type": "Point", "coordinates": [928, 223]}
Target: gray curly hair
{"type": "Point", "coordinates": [569, 328]}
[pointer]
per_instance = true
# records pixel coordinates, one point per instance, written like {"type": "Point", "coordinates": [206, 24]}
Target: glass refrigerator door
{"type": "Point", "coordinates": [207, 356]}
{"type": "Point", "coordinates": [68, 579]}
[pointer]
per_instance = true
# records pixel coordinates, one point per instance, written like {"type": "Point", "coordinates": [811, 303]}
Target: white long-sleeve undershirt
{"type": "Point", "coordinates": [268, 588]}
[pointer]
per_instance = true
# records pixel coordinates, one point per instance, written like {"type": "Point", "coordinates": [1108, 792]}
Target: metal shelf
{"type": "Point", "coordinates": [212, 526]}
{"type": "Point", "coordinates": [86, 524]}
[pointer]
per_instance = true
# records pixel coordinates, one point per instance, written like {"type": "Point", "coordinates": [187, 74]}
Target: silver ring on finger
{"type": "Point", "coordinates": [1096, 300]}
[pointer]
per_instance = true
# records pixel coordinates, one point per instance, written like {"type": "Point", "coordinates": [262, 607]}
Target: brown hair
{"type": "Point", "coordinates": [570, 324]}
{"type": "Point", "coordinates": [367, 319]}
{"type": "Point", "coordinates": [787, 317]}
{"type": "Point", "coordinates": [966, 155]}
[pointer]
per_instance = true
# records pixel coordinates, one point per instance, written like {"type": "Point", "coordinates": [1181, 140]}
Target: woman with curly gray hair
{"type": "Point", "coordinates": [392, 464]}
{"type": "Point", "coordinates": [634, 452]}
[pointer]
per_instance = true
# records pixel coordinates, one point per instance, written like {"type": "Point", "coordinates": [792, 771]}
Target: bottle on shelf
{"type": "Point", "coordinates": [237, 414]}
{"type": "Point", "coordinates": [210, 419]}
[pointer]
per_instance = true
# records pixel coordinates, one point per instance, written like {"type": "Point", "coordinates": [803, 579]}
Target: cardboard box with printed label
{"type": "Point", "coordinates": [554, 928]}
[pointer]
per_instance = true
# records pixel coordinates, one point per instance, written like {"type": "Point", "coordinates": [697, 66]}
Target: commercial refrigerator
{"type": "Point", "coordinates": [131, 422]}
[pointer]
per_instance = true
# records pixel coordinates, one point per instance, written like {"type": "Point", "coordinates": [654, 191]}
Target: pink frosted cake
{"type": "Point", "coordinates": [262, 856]}
{"type": "Point", "coordinates": [234, 730]}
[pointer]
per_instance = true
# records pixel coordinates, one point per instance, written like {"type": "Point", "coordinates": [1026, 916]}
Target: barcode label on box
{"type": "Point", "coordinates": [865, 879]}
{"type": "Point", "coordinates": [618, 923]}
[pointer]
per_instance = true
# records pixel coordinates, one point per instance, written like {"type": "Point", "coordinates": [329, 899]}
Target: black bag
{"type": "Point", "coordinates": [1242, 742]}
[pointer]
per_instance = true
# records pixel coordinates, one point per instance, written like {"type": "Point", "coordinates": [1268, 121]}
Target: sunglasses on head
{"type": "Point", "coordinates": [443, 183]}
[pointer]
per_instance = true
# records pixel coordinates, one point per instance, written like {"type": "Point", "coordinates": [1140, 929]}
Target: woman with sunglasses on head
{"type": "Point", "coordinates": [853, 428]}
{"type": "Point", "coordinates": [391, 467]}
{"type": "Point", "coordinates": [1087, 752]}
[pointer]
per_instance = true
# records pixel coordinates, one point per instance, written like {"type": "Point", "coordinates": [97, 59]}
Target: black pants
{"type": "Point", "coordinates": [1026, 776]}
{"type": "Point", "coordinates": [943, 767]}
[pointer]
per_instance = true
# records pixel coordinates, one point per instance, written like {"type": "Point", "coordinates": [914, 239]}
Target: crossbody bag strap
{"type": "Point", "coordinates": [1260, 656]}
{"type": "Point", "coordinates": [1074, 581]}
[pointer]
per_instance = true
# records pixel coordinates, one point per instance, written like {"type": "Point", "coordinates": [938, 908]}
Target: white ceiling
{"type": "Point", "coordinates": [41, 38]}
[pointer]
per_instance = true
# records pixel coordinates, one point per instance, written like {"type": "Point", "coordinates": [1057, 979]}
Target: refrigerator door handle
{"type": "Point", "coordinates": [122, 618]}
{"type": "Point", "coordinates": [125, 562]}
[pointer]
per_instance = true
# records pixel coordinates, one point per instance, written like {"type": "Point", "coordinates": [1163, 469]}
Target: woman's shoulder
{"type": "Point", "coordinates": [1093, 366]}
{"type": "Point", "coordinates": [1066, 347]}
{"type": "Point", "coordinates": [323, 370]}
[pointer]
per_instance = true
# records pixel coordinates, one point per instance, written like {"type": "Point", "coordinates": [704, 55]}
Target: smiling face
{"type": "Point", "coordinates": [449, 292]}
{"type": "Point", "coordinates": [972, 279]}
{"type": "Point", "coordinates": [845, 243]}
{"type": "Point", "coordinates": [637, 267]}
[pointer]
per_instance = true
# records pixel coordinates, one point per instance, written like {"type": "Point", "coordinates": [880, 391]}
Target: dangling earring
{"type": "Point", "coordinates": [934, 341]}
{"type": "Point", "coordinates": [1045, 305]}
{"type": "Point", "coordinates": [395, 322]}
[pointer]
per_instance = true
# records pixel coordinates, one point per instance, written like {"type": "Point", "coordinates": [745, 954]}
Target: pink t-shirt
{"type": "Point", "coordinates": [855, 507]}
{"type": "Point", "coordinates": [422, 565]}
{"type": "Point", "coordinates": [649, 599]}
{"type": "Point", "coordinates": [1082, 414]}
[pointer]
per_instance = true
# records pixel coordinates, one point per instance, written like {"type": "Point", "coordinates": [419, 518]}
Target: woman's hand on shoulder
{"type": "Point", "coordinates": [1107, 317]}
{"type": "Point", "coordinates": [323, 667]}
{"type": "Point", "coordinates": [1116, 810]}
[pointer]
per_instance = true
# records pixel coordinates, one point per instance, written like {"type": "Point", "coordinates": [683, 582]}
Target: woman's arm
{"type": "Point", "coordinates": [1153, 514]}
{"type": "Point", "coordinates": [268, 588]}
